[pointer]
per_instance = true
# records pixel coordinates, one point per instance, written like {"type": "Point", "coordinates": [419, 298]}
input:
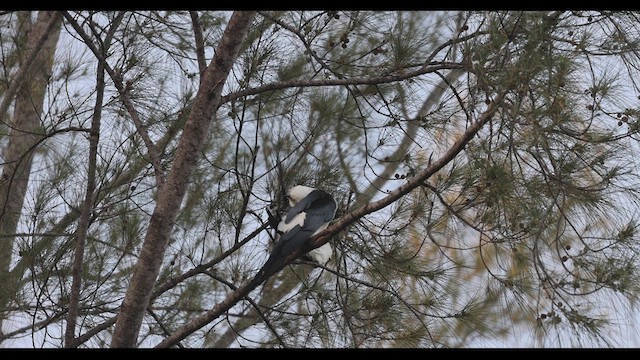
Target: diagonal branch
{"type": "Point", "coordinates": [197, 36]}
{"type": "Point", "coordinates": [412, 129]}
{"type": "Point", "coordinates": [172, 192]}
{"type": "Point", "coordinates": [338, 226]}
{"type": "Point", "coordinates": [406, 188]}
{"type": "Point", "coordinates": [174, 281]}
{"type": "Point", "coordinates": [87, 206]}
{"type": "Point", "coordinates": [395, 77]}
{"type": "Point", "coordinates": [123, 91]}
{"type": "Point", "coordinates": [256, 309]}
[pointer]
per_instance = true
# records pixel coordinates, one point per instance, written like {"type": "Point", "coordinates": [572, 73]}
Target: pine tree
{"type": "Point", "coordinates": [484, 164]}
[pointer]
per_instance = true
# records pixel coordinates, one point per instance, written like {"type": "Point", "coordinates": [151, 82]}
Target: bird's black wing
{"type": "Point", "coordinates": [323, 208]}
{"type": "Point", "coordinates": [319, 212]}
{"type": "Point", "coordinates": [320, 208]}
{"type": "Point", "coordinates": [291, 233]}
{"type": "Point", "coordinates": [318, 205]}
{"type": "Point", "coordinates": [301, 206]}
{"type": "Point", "coordinates": [285, 246]}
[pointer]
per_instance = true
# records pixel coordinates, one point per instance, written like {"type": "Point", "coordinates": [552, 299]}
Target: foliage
{"type": "Point", "coordinates": [532, 226]}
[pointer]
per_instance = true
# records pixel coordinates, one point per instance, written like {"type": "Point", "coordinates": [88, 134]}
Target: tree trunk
{"type": "Point", "coordinates": [172, 193]}
{"type": "Point", "coordinates": [25, 132]}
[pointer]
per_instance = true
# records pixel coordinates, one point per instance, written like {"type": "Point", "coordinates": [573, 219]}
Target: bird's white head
{"type": "Point", "coordinates": [298, 193]}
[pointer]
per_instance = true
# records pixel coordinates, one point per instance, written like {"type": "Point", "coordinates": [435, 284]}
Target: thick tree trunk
{"type": "Point", "coordinates": [172, 193]}
{"type": "Point", "coordinates": [31, 85]}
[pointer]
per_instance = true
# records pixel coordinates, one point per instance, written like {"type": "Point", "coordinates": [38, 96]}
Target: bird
{"type": "Point", "coordinates": [310, 211]}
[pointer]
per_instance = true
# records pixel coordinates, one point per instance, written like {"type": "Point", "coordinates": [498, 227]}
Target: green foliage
{"type": "Point", "coordinates": [532, 226]}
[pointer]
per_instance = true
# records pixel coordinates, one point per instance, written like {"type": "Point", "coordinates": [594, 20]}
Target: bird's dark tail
{"type": "Point", "coordinates": [257, 280]}
{"type": "Point", "coordinates": [269, 268]}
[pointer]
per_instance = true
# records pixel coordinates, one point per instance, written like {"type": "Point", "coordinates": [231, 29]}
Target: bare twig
{"type": "Point", "coordinates": [403, 75]}
{"type": "Point", "coordinates": [87, 206]}
{"type": "Point", "coordinates": [197, 36]}
{"type": "Point", "coordinates": [152, 150]}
